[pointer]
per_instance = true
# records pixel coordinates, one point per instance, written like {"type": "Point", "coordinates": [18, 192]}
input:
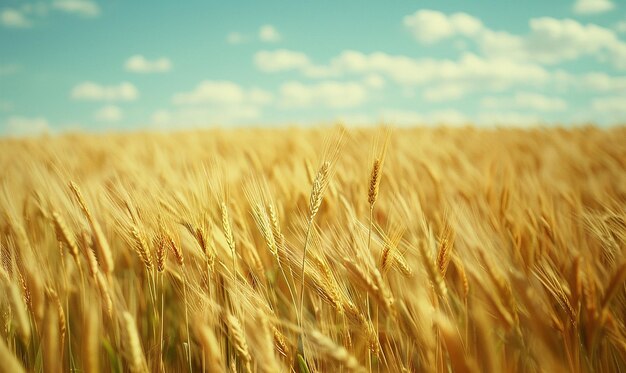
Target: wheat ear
{"type": "Point", "coordinates": [317, 191]}
{"type": "Point", "coordinates": [239, 341]}
{"type": "Point", "coordinates": [101, 243]}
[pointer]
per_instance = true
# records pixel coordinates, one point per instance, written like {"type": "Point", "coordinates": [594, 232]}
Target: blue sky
{"type": "Point", "coordinates": [121, 65]}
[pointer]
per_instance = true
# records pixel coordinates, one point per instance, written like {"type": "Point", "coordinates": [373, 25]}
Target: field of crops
{"type": "Point", "coordinates": [315, 250]}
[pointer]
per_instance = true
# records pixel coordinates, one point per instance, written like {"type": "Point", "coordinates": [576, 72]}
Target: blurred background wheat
{"type": "Point", "coordinates": [317, 249]}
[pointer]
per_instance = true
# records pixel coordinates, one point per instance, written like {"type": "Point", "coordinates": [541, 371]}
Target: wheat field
{"type": "Point", "coordinates": [315, 250]}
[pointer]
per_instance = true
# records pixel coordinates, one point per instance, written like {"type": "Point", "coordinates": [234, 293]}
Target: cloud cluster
{"type": "Point", "coordinates": [494, 62]}
{"type": "Point", "coordinates": [181, 117]}
{"type": "Point", "coordinates": [513, 78]}
{"type": "Point", "coordinates": [502, 62]}
{"type": "Point", "coordinates": [83, 8]}
{"type": "Point", "coordinates": [612, 104]}
{"type": "Point", "coordinates": [445, 92]}
{"type": "Point", "coordinates": [281, 60]}
{"type": "Point", "coordinates": [269, 34]}
{"type": "Point", "coordinates": [24, 126]}
{"type": "Point", "coordinates": [140, 64]}
{"type": "Point", "coordinates": [13, 18]}
{"type": "Point", "coordinates": [549, 40]}
{"type": "Point", "coordinates": [525, 100]}
{"type": "Point", "coordinates": [222, 92]}
{"type": "Point", "coordinates": [457, 76]}
{"type": "Point", "coordinates": [214, 102]}
{"type": "Point", "coordinates": [448, 117]}
{"type": "Point", "coordinates": [90, 91]}
{"type": "Point", "coordinates": [109, 113]}
{"type": "Point", "coordinates": [509, 118]}
{"type": "Point", "coordinates": [430, 26]}
{"type": "Point", "coordinates": [327, 94]}
{"type": "Point", "coordinates": [592, 6]}
{"type": "Point", "coordinates": [266, 34]}
{"type": "Point", "coordinates": [26, 14]}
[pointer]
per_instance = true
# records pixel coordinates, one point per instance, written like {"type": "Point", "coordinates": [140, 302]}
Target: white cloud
{"type": "Point", "coordinates": [549, 41]}
{"type": "Point", "coordinates": [589, 82]}
{"type": "Point", "coordinates": [395, 117]}
{"type": "Point", "coordinates": [259, 96]}
{"type": "Point", "coordinates": [607, 109]}
{"type": "Point", "coordinates": [602, 82]}
{"type": "Point", "coordinates": [84, 8]}
{"type": "Point", "coordinates": [552, 41]}
{"type": "Point", "coordinates": [592, 6]}
{"type": "Point", "coordinates": [402, 117]}
{"type": "Point", "coordinates": [374, 81]}
{"type": "Point", "coordinates": [525, 100]}
{"type": "Point", "coordinates": [461, 45]}
{"type": "Point", "coordinates": [508, 118]}
{"type": "Point", "coordinates": [222, 93]}
{"type": "Point", "coordinates": [139, 64]}
{"type": "Point", "coordinates": [23, 16]}
{"type": "Point", "coordinates": [281, 60]}
{"type": "Point", "coordinates": [162, 117]}
{"type": "Point", "coordinates": [487, 73]}
{"type": "Point", "coordinates": [202, 116]}
{"type": "Point", "coordinates": [612, 104]}
{"type": "Point", "coordinates": [269, 34]}
{"type": "Point", "coordinates": [429, 26]}
{"type": "Point", "coordinates": [214, 102]}
{"type": "Point", "coordinates": [449, 117]}
{"type": "Point", "coordinates": [13, 18]}
{"type": "Point", "coordinates": [443, 79]}
{"type": "Point", "coordinates": [330, 94]}
{"type": "Point", "coordinates": [95, 92]}
{"type": "Point", "coordinates": [109, 113]}
{"type": "Point", "coordinates": [38, 9]}
{"type": "Point", "coordinates": [285, 60]}
{"type": "Point", "coordinates": [25, 126]}
{"type": "Point", "coordinates": [444, 92]}
{"type": "Point", "coordinates": [236, 38]}
{"type": "Point", "coordinates": [266, 34]}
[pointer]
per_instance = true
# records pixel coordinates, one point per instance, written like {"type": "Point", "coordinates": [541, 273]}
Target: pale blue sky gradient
{"type": "Point", "coordinates": [49, 49]}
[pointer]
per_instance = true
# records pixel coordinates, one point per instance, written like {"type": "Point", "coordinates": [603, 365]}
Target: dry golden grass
{"type": "Point", "coordinates": [315, 250]}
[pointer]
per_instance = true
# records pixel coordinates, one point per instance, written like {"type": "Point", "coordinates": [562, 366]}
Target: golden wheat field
{"type": "Point", "coordinates": [315, 250]}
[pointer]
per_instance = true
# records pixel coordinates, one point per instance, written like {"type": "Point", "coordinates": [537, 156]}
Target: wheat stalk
{"type": "Point", "coordinates": [327, 347]}
{"type": "Point", "coordinates": [319, 185]}
{"type": "Point", "coordinates": [134, 352]}
{"type": "Point", "coordinates": [100, 242]}
{"type": "Point", "coordinates": [211, 349]}
{"type": "Point", "coordinates": [21, 319]}
{"type": "Point", "coordinates": [9, 362]}
{"type": "Point", "coordinates": [64, 236]}
{"type": "Point", "coordinates": [239, 341]}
